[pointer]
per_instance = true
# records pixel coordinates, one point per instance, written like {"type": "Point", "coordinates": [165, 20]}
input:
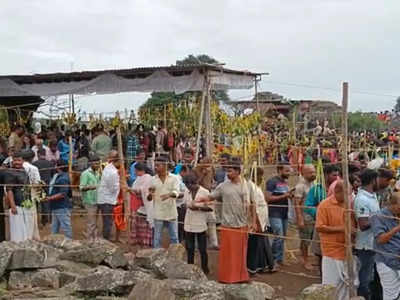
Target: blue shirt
{"type": "Point", "coordinates": [365, 205]}
{"type": "Point", "coordinates": [132, 174]}
{"type": "Point", "coordinates": [383, 222]}
{"type": "Point", "coordinates": [315, 195]}
{"type": "Point", "coordinates": [63, 147]}
{"type": "Point", "coordinates": [277, 187]}
{"type": "Point", "coordinates": [61, 185]}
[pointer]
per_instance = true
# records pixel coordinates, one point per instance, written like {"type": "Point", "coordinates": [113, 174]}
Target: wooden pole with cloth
{"type": "Point", "coordinates": [345, 170]}
{"type": "Point", "coordinates": [124, 186]}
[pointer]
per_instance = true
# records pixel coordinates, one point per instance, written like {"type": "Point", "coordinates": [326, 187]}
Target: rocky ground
{"type": "Point", "coordinates": [57, 268]}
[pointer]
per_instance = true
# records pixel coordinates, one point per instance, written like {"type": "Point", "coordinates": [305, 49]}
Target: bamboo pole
{"type": "Point", "coordinates": [208, 124]}
{"type": "Point", "coordinates": [345, 170]}
{"type": "Point", "coordinates": [124, 185]}
{"type": "Point", "coordinates": [259, 150]}
{"type": "Point", "coordinates": [70, 157]}
{"type": "Point", "coordinates": [199, 128]}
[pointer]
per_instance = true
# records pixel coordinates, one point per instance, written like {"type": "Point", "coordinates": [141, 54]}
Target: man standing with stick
{"type": "Point", "coordinates": [235, 197]}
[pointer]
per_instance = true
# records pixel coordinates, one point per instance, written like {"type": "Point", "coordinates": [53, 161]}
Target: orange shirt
{"type": "Point", "coordinates": [331, 213]}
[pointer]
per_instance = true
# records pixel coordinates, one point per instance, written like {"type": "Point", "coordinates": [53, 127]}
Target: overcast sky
{"type": "Point", "coordinates": [317, 43]}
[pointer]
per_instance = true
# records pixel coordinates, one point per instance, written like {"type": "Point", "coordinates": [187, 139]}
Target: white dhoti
{"type": "Point", "coordinates": [22, 226]}
{"type": "Point", "coordinates": [334, 272]}
{"type": "Point", "coordinates": [390, 280]}
{"type": "Point", "coordinates": [212, 230]}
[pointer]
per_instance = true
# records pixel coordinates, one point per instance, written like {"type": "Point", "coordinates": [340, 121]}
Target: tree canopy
{"type": "Point", "coordinates": [164, 98]}
{"type": "Point", "coordinates": [397, 106]}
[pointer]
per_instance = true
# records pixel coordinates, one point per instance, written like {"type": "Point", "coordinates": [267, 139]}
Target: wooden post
{"type": "Point", "coordinates": [70, 158]}
{"type": "Point", "coordinates": [124, 185]}
{"type": "Point", "coordinates": [207, 111]}
{"type": "Point", "coordinates": [345, 170]}
{"type": "Point", "coordinates": [199, 128]}
{"type": "Point", "coordinates": [259, 151]}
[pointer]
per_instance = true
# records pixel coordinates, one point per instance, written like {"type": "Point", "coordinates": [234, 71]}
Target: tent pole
{"type": "Point", "coordinates": [199, 128]}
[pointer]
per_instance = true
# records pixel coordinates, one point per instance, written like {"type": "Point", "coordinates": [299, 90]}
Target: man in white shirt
{"type": "Point", "coordinates": [34, 179]}
{"type": "Point", "coordinates": [163, 192]}
{"type": "Point", "coordinates": [196, 220]}
{"type": "Point", "coordinates": [107, 193]}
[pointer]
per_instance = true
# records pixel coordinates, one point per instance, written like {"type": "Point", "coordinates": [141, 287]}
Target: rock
{"type": "Point", "coordinates": [19, 280]}
{"type": "Point", "coordinates": [208, 296]}
{"type": "Point", "coordinates": [147, 257]}
{"type": "Point", "coordinates": [176, 251]}
{"type": "Point", "coordinates": [6, 251]}
{"type": "Point", "coordinates": [130, 257]}
{"type": "Point", "coordinates": [152, 289]}
{"type": "Point", "coordinates": [318, 292]}
{"type": "Point", "coordinates": [52, 298]}
{"type": "Point", "coordinates": [59, 241]}
{"type": "Point", "coordinates": [116, 259]}
{"type": "Point", "coordinates": [73, 267]}
{"type": "Point", "coordinates": [32, 254]}
{"type": "Point", "coordinates": [90, 256]}
{"type": "Point", "coordinates": [189, 288]}
{"type": "Point", "coordinates": [23, 258]}
{"type": "Point", "coordinates": [106, 280]}
{"type": "Point", "coordinates": [67, 278]}
{"type": "Point", "coordinates": [176, 269]}
{"type": "Point", "coordinates": [243, 292]}
{"type": "Point", "coordinates": [267, 290]}
{"type": "Point", "coordinates": [46, 278]}
{"type": "Point", "coordinates": [110, 298]}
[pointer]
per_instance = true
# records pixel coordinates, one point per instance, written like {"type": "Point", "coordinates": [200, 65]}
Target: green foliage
{"type": "Point", "coordinates": [160, 99]}
{"type": "Point", "coordinates": [397, 106]}
{"type": "Point", "coordinates": [359, 121]}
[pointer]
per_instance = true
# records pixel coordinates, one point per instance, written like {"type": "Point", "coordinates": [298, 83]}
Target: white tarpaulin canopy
{"type": "Point", "coordinates": [160, 79]}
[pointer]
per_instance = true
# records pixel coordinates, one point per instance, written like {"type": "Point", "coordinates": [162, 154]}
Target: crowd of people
{"type": "Point", "coordinates": [241, 213]}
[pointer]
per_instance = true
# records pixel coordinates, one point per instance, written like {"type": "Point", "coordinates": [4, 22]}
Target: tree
{"type": "Point", "coordinates": [163, 98]}
{"type": "Point", "coordinates": [397, 106]}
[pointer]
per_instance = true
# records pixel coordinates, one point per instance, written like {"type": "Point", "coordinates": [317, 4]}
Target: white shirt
{"type": "Point", "coordinates": [261, 207]}
{"type": "Point", "coordinates": [195, 220]}
{"type": "Point", "coordinates": [165, 210]}
{"type": "Point", "coordinates": [143, 183]}
{"type": "Point", "coordinates": [32, 171]}
{"type": "Point", "coordinates": [108, 191]}
{"type": "Point", "coordinates": [35, 150]}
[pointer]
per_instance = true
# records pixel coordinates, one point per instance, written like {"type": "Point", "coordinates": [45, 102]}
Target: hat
{"type": "Point", "coordinates": [37, 128]}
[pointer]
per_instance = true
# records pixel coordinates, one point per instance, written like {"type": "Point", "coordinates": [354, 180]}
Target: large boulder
{"type": "Point", "coordinates": [59, 241]}
{"type": "Point", "coordinates": [146, 258]}
{"type": "Point", "coordinates": [189, 288]}
{"type": "Point", "coordinates": [243, 292]}
{"type": "Point", "coordinates": [208, 296]}
{"type": "Point", "coordinates": [176, 269]}
{"type": "Point", "coordinates": [6, 251]}
{"type": "Point", "coordinates": [32, 254]}
{"type": "Point", "coordinates": [67, 266]}
{"type": "Point", "coordinates": [86, 255]}
{"type": "Point", "coordinates": [318, 292]}
{"type": "Point", "coordinates": [44, 278]}
{"type": "Point", "coordinates": [176, 251]}
{"type": "Point", "coordinates": [105, 280]}
{"type": "Point", "coordinates": [152, 289]}
{"type": "Point", "coordinates": [116, 259]}
{"type": "Point", "coordinates": [267, 290]}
